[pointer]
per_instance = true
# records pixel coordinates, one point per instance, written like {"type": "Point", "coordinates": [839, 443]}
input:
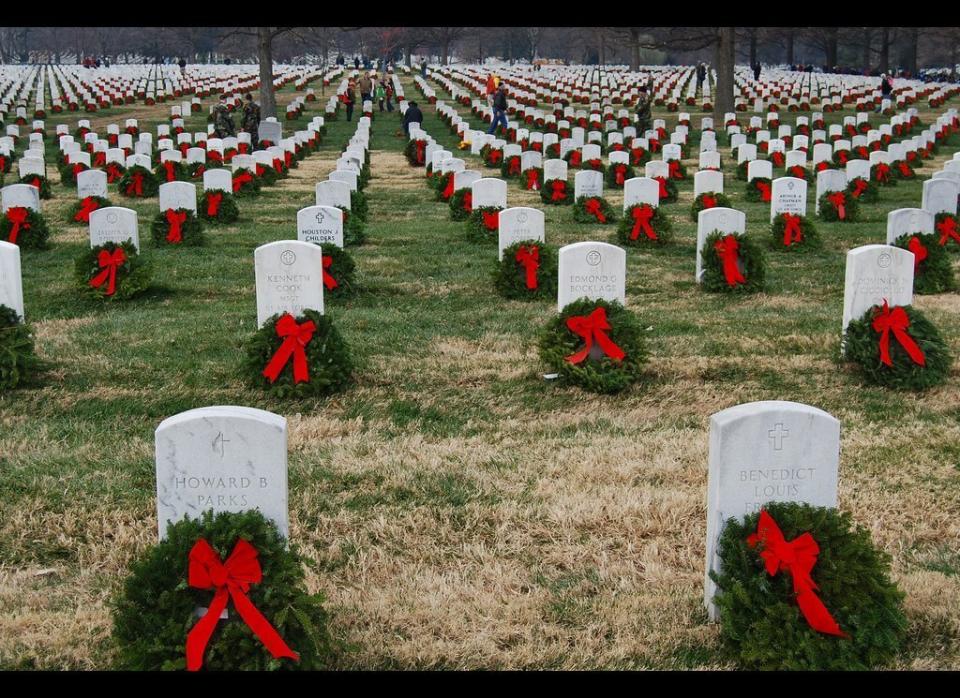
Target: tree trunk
{"type": "Point", "coordinates": [884, 50]}
{"type": "Point", "coordinates": [724, 59]}
{"type": "Point", "coordinates": [867, 40]}
{"type": "Point", "coordinates": [831, 48]}
{"type": "Point", "coordinates": [408, 56]}
{"type": "Point", "coordinates": [790, 45]}
{"type": "Point", "coordinates": [268, 102]}
{"type": "Point", "coordinates": [603, 50]}
{"type": "Point", "coordinates": [634, 50]}
{"type": "Point", "coordinates": [913, 36]}
{"type": "Point", "coordinates": [445, 55]}
{"type": "Point", "coordinates": [753, 48]}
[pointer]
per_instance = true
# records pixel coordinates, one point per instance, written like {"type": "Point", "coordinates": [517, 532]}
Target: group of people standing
{"type": "Point", "coordinates": [371, 89]}
{"type": "Point", "coordinates": [250, 121]}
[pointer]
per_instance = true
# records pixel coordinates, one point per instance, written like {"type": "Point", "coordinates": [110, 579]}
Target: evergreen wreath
{"type": "Point", "coordinates": [191, 229]}
{"type": "Point", "coordinates": [603, 375]}
{"type": "Point", "coordinates": [358, 205]}
{"type": "Point", "coordinates": [149, 186]}
{"type": "Point", "coordinates": [933, 272]}
{"type": "Point", "coordinates": [903, 169]}
{"type": "Point", "coordinates": [410, 151]}
{"type": "Point", "coordinates": [69, 172]}
{"type": "Point", "coordinates": [354, 229]}
{"type": "Point", "coordinates": [883, 177]}
{"type": "Point", "coordinates": [19, 364]}
{"type": "Point", "coordinates": [831, 213]}
{"type": "Point", "coordinates": [80, 211]}
{"type": "Point", "coordinates": [341, 271]}
{"type": "Point", "coordinates": [510, 275]}
{"type": "Point", "coordinates": [31, 228]}
{"type": "Point", "coordinates": [741, 171]}
{"type": "Point", "coordinates": [443, 186]}
{"type": "Point", "coordinates": [756, 187]}
{"type": "Point", "coordinates": [595, 164]}
{"type": "Point", "coordinates": [760, 622]}
{"type": "Point", "coordinates": [115, 172]}
{"type": "Point", "coordinates": [492, 157]}
{"type": "Point", "coordinates": [245, 188]}
{"type": "Point", "coordinates": [593, 209]}
{"type": "Point", "coordinates": [800, 173]}
{"type": "Point", "coordinates": [750, 262]}
{"type": "Point", "coordinates": [619, 173]}
{"type": "Point", "coordinates": [630, 230]}
{"type": "Point", "coordinates": [863, 190]}
{"type": "Point", "coordinates": [195, 170]}
{"type": "Point", "coordinates": [862, 347]}
{"type": "Point", "coordinates": [154, 613]}
{"type": "Point", "coordinates": [40, 182]}
{"type": "Point", "coordinates": [177, 169]}
{"type": "Point", "coordinates": [267, 175]}
{"type": "Point", "coordinates": [945, 222]}
{"type": "Point", "coordinates": [510, 167]}
{"type": "Point", "coordinates": [458, 209]}
{"type": "Point", "coordinates": [810, 236]}
{"type": "Point", "coordinates": [669, 193]}
{"type": "Point", "coordinates": [132, 278]}
{"type": "Point", "coordinates": [483, 224]}
{"type": "Point", "coordinates": [556, 192]}
{"type": "Point", "coordinates": [224, 209]}
{"type": "Point", "coordinates": [531, 179]}
{"type": "Point", "coordinates": [700, 203]}
{"type": "Point", "coordinates": [329, 361]}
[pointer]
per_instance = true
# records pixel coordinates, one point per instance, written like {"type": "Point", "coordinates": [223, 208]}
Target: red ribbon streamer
{"type": "Point", "coordinates": [859, 186]}
{"type": "Point", "coordinates": [17, 215]}
{"type": "Point", "coordinates": [897, 320]}
{"type": "Point", "coordinates": [919, 251]}
{"type": "Point", "coordinates": [87, 206]}
{"type": "Point", "coordinates": [764, 188]}
{"type": "Point", "coordinates": [213, 202]}
{"type": "Point", "coordinates": [421, 151]}
{"type": "Point", "coordinates": [513, 166]}
{"type": "Point", "coordinates": [726, 248]}
{"type": "Point", "coordinates": [448, 190]}
{"type": "Point", "coordinates": [797, 558]}
{"type": "Point", "coordinates": [838, 200]}
{"type": "Point", "coordinates": [295, 337]}
{"type": "Point", "coordinates": [592, 206]}
{"type": "Point", "coordinates": [329, 282]}
{"type": "Point", "coordinates": [533, 179]}
{"type": "Point", "coordinates": [559, 190]}
{"type": "Point", "coordinates": [136, 184]}
{"type": "Point", "coordinates": [529, 258]}
{"type": "Point", "coordinates": [491, 219]}
{"type": "Point", "coordinates": [619, 174]}
{"type": "Point", "coordinates": [176, 220]}
{"type": "Point", "coordinates": [170, 167]}
{"type": "Point", "coordinates": [495, 156]}
{"type": "Point", "coordinates": [882, 172]}
{"type": "Point", "coordinates": [792, 232]}
{"type": "Point", "coordinates": [948, 229]}
{"type": "Point", "coordinates": [592, 328]}
{"type": "Point", "coordinates": [642, 215]}
{"type": "Point", "coordinates": [708, 201]}
{"type": "Point", "coordinates": [674, 170]}
{"type": "Point", "coordinates": [663, 193]}
{"type": "Point", "coordinates": [232, 580]}
{"type": "Point", "coordinates": [108, 262]}
{"type": "Point", "coordinates": [468, 201]}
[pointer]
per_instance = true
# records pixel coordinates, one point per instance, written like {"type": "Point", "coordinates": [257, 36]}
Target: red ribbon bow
{"type": "Point", "coordinates": [792, 232]}
{"type": "Point", "coordinates": [777, 158]}
{"type": "Point", "coordinates": [709, 201]}
{"type": "Point", "coordinates": [593, 327]}
{"type": "Point", "coordinates": [882, 172]}
{"type": "Point", "coordinates": [215, 156]}
{"type": "Point", "coordinates": [513, 167]}
{"type": "Point", "coordinates": [421, 151]}
{"type": "Point", "coordinates": [592, 206]}
{"type": "Point", "coordinates": [674, 170]}
{"type": "Point", "coordinates": [619, 174]}
{"type": "Point", "coordinates": [764, 188]}
{"type": "Point", "coordinates": [948, 229]}
{"type": "Point", "coordinates": [241, 179]}
{"type": "Point", "coordinates": [78, 168]}
{"type": "Point", "coordinates": [87, 206]}
{"type": "Point", "coordinates": [17, 215]}
{"type": "Point", "coordinates": [232, 580]}
{"type": "Point", "coordinates": [559, 190]}
{"type": "Point", "coordinates": [136, 184]}
{"type": "Point", "coordinates": [842, 156]}
{"type": "Point", "coordinates": [448, 190]}
{"type": "Point", "coordinates": [919, 251]}
{"type": "Point", "coordinates": [491, 219]}
{"type": "Point", "coordinates": [797, 172]}
{"type": "Point", "coordinates": [663, 193]}
{"type": "Point", "coordinates": [797, 558]}
{"type": "Point", "coordinates": [328, 281]}
{"type": "Point", "coordinates": [575, 158]}
{"type": "Point", "coordinates": [295, 337]}
{"type": "Point", "coordinates": [838, 200]}
{"type": "Point", "coordinates": [169, 166]}
{"type": "Point", "coordinates": [213, 202]}
{"type": "Point", "coordinates": [108, 262]}
{"type": "Point", "coordinates": [35, 182]}
{"type": "Point", "coordinates": [642, 215]}
{"type": "Point", "coordinates": [533, 179]}
{"type": "Point", "coordinates": [113, 173]}
{"type": "Point", "coordinates": [176, 220]}
{"type": "Point", "coordinates": [529, 258]}
{"type": "Point", "coordinates": [726, 248]}
{"type": "Point", "coordinates": [859, 186]}
{"type": "Point", "coordinates": [904, 169]}
{"type": "Point", "coordinates": [495, 156]}
{"type": "Point", "coordinates": [468, 201]}
{"type": "Point", "coordinates": [897, 320]}
{"type": "Point", "coordinates": [278, 165]}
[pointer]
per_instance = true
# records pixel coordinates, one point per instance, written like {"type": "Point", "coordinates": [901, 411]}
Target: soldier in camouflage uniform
{"type": "Point", "coordinates": [644, 121]}
{"type": "Point", "coordinates": [251, 119]}
{"type": "Point", "coordinates": [223, 120]}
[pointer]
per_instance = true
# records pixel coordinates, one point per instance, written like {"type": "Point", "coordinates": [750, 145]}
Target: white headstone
{"type": "Point", "coordinates": [940, 196]}
{"type": "Point", "coordinates": [174, 195]}
{"type": "Point", "coordinates": [829, 181]}
{"type": "Point", "coordinates": [518, 224]}
{"type": "Point", "coordinates": [905, 221]}
{"type": "Point", "coordinates": [289, 278]}
{"type": "Point", "coordinates": [641, 190]}
{"type": "Point", "coordinates": [707, 181]}
{"type": "Point", "coordinates": [719, 218]}
{"type": "Point", "coordinates": [320, 224]}
{"type": "Point", "coordinates": [489, 191]}
{"type": "Point", "coordinates": [91, 183]}
{"type": "Point", "coordinates": [333, 193]}
{"type": "Point", "coordinates": [788, 195]}
{"type": "Point", "coordinates": [876, 273]}
{"type": "Point", "coordinates": [587, 183]}
{"type": "Point", "coordinates": [20, 195]}
{"type": "Point", "coordinates": [11, 285]}
{"type": "Point", "coordinates": [594, 270]}
{"type": "Point", "coordinates": [220, 179]}
{"type": "Point", "coordinates": [114, 224]}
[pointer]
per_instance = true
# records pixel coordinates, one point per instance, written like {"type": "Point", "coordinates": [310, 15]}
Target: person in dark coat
{"type": "Point", "coordinates": [756, 70]}
{"type": "Point", "coordinates": [413, 115]}
{"type": "Point", "coordinates": [499, 109]}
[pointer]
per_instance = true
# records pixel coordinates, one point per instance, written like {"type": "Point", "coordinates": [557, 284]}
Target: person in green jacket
{"type": "Point", "coordinates": [380, 93]}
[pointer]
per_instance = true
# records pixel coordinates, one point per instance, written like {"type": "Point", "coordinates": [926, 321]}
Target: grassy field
{"type": "Point", "coordinates": [457, 510]}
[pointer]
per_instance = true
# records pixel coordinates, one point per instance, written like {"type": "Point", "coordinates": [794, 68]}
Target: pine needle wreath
{"type": "Point", "coordinates": [809, 240]}
{"type": "Point", "coordinates": [756, 187]}
{"type": "Point", "coordinates": [246, 188]}
{"type": "Point", "coordinates": [157, 607]}
{"type": "Point", "coordinates": [329, 363]}
{"type": "Point", "coordinates": [934, 272]}
{"type": "Point", "coordinates": [410, 152]}
{"type": "Point", "coordinates": [443, 186]}
{"type": "Point", "coordinates": [79, 212]}
{"type": "Point", "coordinates": [760, 623]}
{"type": "Point", "coordinates": [903, 169]}
{"type": "Point", "coordinates": [751, 263]}
{"type": "Point", "coordinates": [492, 157]}
{"type": "Point", "coordinates": [669, 193]}
{"type": "Point", "coordinates": [631, 231]}
{"type": "Point", "coordinates": [531, 179]}
{"type": "Point", "coordinates": [639, 157]}
{"type": "Point", "coordinates": [19, 365]}
{"type": "Point", "coordinates": [945, 222]}
{"type": "Point", "coordinates": [195, 170]}
{"type": "Point", "coordinates": [861, 346]}
{"type": "Point", "coordinates": [40, 182]}
{"type": "Point", "coordinates": [31, 233]}
{"type": "Point", "coordinates": [69, 172]}
{"type": "Point", "coordinates": [191, 230]}
{"type": "Point", "coordinates": [741, 171]}
{"type": "Point", "coordinates": [863, 190]}
{"type": "Point", "coordinates": [218, 207]}
{"type": "Point", "coordinates": [178, 172]}
{"type": "Point", "coordinates": [700, 203]}
{"type": "Point", "coordinates": [115, 172]}
{"type": "Point", "coordinates": [510, 167]}
{"type": "Point", "coordinates": [266, 175]}
{"type": "Point", "coordinates": [595, 164]}
{"type": "Point", "coordinates": [593, 209]}
{"type": "Point", "coordinates": [556, 192]}
{"type": "Point", "coordinates": [149, 186]}
{"type": "Point", "coordinates": [483, 224]}
{"type": "Point", "coordinates": [358, 205]}
{"type": "Point", "coordinates": [133, 276]}
{"type": "Point", "coordinates": [339, 274]}
{"type": "Point", "coordinates": [883, 177]}
{"type": "Point", "coordinates": [458, 209]}
{"type": "Point", "coordinates": [619, 173]}
{"type": "Point", "coordinates": [830, 212]}
{"type": "Point", "coordinates": [354, 229]}
{"type": "Point", "coordinates": [510, 275]}
{"type": "Point", "coordinates": [799, 173]}
{"type": "Point", "coordinates": [604, 374]}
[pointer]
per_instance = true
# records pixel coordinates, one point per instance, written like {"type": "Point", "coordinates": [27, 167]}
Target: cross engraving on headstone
{"type": "Point", "coordinates": [319, 216]}
{"type": "Point", "coordinates": [777, 435]}
{"type": "Point", "coordinates": [221, 441]}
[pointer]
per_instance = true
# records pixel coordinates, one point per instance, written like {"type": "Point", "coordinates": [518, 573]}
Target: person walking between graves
{"type": "Point", "coordinates": [644, 121]}
{"type": "Point", "coordinates": [886, 89]}
{"type": "Point", "coordinates": [756, 70]}
{"type": "Point", "coordinates": [388, 87]}
{"type": "Point", "coordinates": [491, 89]}
{"type": "Point", "coordinates": [223, 119]}
{"type": "Point", "coordinates": [366, 87]}
{"type": "Point", "coordinates": [499, 109]}
{"type": "Point", "coordinates": [251, 120]}
{"type": "Point", "coordinates": [380, 94]}
{"type": "Point", "coordinates": [350, 98]}
{"type": "Point", "coordinates": [413, 115]}
{"type": "Point", "coordinates": [701, 74]}
{"type": "Point", "coordinates": [183, 65]}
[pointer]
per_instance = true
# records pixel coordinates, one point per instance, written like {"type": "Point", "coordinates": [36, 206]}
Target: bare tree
{"type": "Point", "coordinates": [443, 38]}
